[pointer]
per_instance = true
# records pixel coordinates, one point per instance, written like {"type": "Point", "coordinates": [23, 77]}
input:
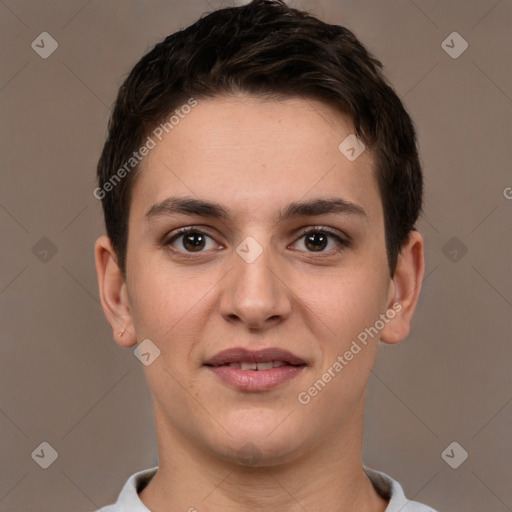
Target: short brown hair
{"type": "Point", "coordinates": [272, 51]}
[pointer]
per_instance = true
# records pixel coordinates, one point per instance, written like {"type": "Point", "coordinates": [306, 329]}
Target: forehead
{"type": "Point", "coordinates": [256, 155]}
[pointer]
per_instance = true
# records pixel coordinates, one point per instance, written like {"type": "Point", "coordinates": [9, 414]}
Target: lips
{"type": "Point", "coordinates": [255, 370]}
{"type": "Point", "coordinates": [255, 359]}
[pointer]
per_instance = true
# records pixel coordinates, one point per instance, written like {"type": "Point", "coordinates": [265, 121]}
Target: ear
{"type": "Point", "coordinates": [405, 289]}
{"type": "Point", "coordinates": [113, 293]}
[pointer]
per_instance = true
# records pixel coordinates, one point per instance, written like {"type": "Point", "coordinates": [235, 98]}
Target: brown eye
{"type": "Point", "coordinates": [191, 240]}
{"type": "Point", "coordinates": [316, 241]}
{"type": "Point", "coordinates": [321, 240]}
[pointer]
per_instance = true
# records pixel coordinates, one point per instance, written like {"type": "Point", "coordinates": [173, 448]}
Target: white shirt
{"type": "Point", "coordinates": [390, 489]}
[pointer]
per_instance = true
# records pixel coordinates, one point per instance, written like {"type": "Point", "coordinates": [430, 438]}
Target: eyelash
{"type": "Point", "coordinates": [343, 242]}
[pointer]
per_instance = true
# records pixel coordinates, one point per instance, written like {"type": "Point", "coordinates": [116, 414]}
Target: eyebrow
{"type": "Point", "coordinates": [203, 208]}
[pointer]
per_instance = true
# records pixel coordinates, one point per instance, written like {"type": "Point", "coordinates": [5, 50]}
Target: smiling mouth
{"type": "Point", "coordinates": [255, 370]}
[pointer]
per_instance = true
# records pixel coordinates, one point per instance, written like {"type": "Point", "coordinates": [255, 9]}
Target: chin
{"type": "Point", "coordinates": [261, 440]}
{"type": "Point", "coordinates": [250, 454]}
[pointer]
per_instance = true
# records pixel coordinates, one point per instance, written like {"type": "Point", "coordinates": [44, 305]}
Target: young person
{"type": "Point", "coordinates": [260, 184]}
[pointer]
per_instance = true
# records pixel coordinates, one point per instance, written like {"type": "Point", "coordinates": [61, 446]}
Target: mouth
{"type": "Point", "coordinates": [251, 365]}
{"type": "Point", "coordinates": [255, 370]}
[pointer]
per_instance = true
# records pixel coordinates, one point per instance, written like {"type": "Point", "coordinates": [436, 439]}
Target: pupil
{"type": "Point", "coordinates": [193, 241]}
{"type": "Point", "coordinates": [312, 241]}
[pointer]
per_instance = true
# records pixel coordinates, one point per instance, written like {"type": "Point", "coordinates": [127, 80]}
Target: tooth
{"type": "Point", "coordinates": [277, 364]}
{"type": "Point", "coordinates": [264, 366]}
{"type": "Point", "coordinates": [234, 365]}
{"type": "Point", "coordinates": [248, 366]}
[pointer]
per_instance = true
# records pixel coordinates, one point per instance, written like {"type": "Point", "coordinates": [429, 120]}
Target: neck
{"type": "Point", "coordinates": [328, 476]}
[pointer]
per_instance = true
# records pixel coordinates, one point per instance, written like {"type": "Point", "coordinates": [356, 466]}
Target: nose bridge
{"type": "Point", "coordinates": [255, 292]}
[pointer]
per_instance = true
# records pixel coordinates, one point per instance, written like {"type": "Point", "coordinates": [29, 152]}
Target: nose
{"type": "Point", "coordinates": [255, 294]}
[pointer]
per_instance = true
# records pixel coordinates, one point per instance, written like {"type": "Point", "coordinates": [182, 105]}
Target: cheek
{"type": "Point", "coordinates": [168, 305]}
{"type": "Point", "coordinates": [345, 303]}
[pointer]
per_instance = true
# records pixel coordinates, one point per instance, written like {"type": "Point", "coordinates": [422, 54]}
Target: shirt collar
{"type": "Point", "coordinates": [388, 488]}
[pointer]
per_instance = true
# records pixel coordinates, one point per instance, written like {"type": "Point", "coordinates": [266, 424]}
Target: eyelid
{"type": "Point", "coordinates": [324, 229]}
{"type": "Point", "coordinates": [176, 233]}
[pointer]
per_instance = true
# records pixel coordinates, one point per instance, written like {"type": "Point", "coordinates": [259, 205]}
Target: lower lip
{"type": "Point", "coordinates": [256, 380]}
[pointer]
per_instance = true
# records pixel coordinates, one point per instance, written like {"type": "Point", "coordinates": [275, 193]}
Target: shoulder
{"type": "Point", "coordinates": [391, 490]}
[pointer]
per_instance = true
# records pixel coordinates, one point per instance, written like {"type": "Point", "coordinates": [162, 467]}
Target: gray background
{"type": "Point", "coordinates": [64, 381]}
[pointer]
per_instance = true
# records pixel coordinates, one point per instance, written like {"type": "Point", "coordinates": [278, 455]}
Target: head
{"type": "Point", "coordinates": [240, 119]}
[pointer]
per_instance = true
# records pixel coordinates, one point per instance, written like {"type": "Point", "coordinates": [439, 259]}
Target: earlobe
{"type": "Point", "coordinates": [113, 295]}
{"type": "Point", "coordinates": [407, 281]}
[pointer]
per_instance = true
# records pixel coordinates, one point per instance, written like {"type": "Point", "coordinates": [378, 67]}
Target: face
{"type": "Point", "coordinates": [256, 286]}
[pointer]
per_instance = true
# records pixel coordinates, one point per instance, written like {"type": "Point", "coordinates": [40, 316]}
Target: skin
{"type": "Point", "coordinates": [254, 157]}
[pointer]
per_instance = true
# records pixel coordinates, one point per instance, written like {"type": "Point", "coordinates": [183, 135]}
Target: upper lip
{"type": "Point", "coordinates": [243, 355]}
